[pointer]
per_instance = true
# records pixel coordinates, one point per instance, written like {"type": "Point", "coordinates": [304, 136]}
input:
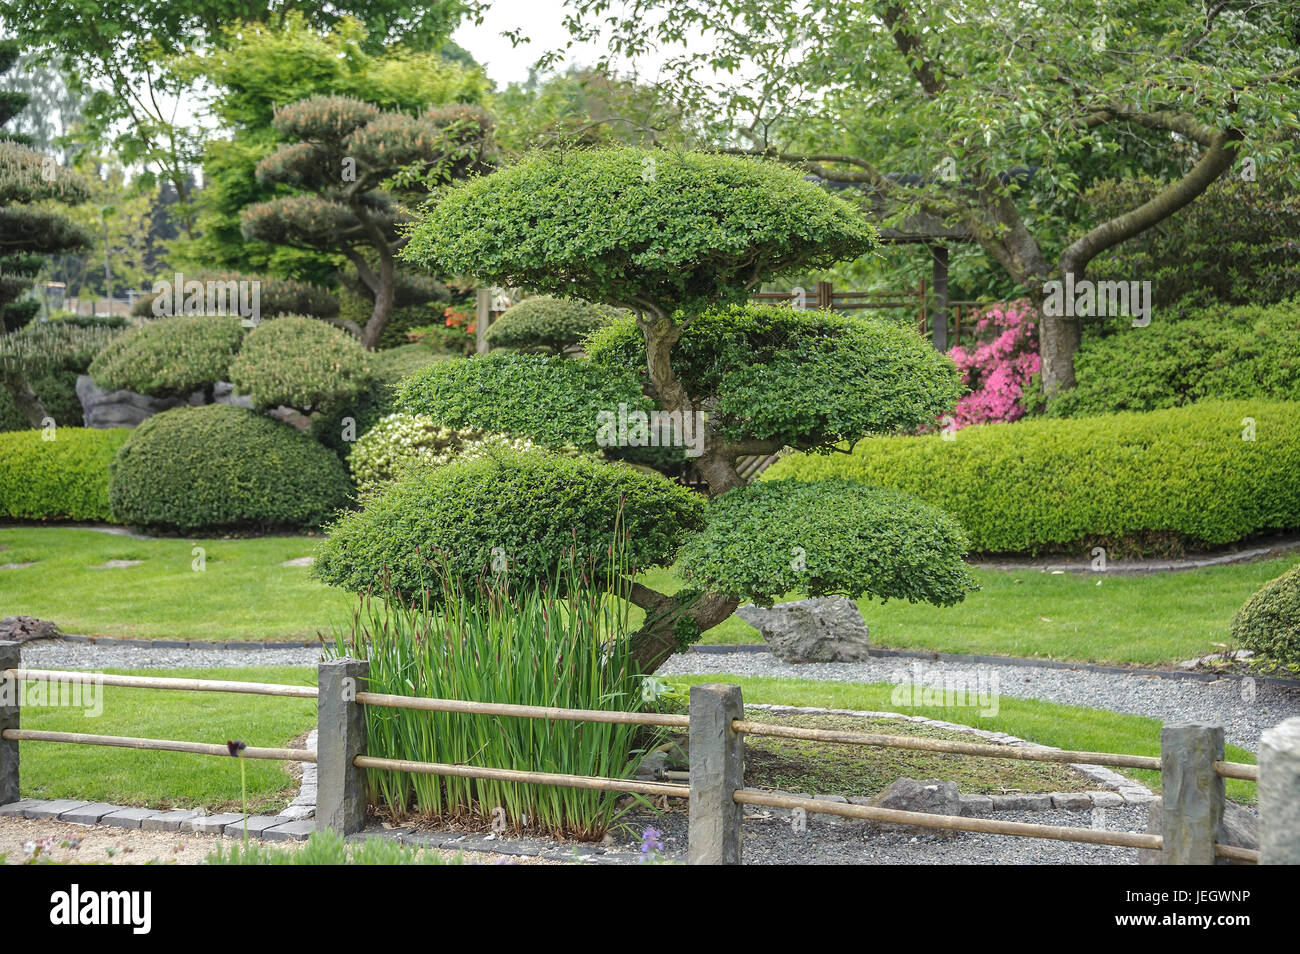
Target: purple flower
{"type": "Point", "coordinates": [652, 844]}
{"type": "Point", "coordinates": [235, 747]}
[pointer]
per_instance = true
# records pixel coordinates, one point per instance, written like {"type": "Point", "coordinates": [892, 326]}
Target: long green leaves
{"type": "Point", "coordinates": [560, 644]}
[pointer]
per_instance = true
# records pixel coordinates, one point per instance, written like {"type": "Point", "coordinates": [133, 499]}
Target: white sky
{"type": "Point", "coordinates": [542, 21]}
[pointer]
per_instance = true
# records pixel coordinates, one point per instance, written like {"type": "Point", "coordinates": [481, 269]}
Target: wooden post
{"type": "Point", "coordinates": [1191, 790]}
{"type": "Point", "coordinates": [922, 303]}
{"type": "Point", "coordinates": [9, 719]}
{"type": "Point", "coordinates": [939, 261]}
{"type": "Point", "coordinates": [717, 755]}
{"type": "Point", "coordinates": [340, 738]}
{"type": "Point", "coordinates": [483, 310]}
{"type": "Point", "coordinates": [825, 296]}
{"type": "Point", "coordinates": [1279, 794]}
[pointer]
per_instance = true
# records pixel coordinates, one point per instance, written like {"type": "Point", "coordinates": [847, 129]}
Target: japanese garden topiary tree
{"type": "Point", "coordinates": [28, 233]}
{"type": "Point", "coordinates": [345, 156]}
{"type": "Point", "coordinates": [680, 240]}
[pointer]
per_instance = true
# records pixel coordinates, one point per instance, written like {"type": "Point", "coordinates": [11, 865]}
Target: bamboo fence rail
{"type": "Point", "coordinates": [523, 712]}
{"type": "Point", "coordinates": [159, 745]}
{"type": "Point", "coordinates": [157, 682]}
{"type": "Point", "coordinates": [591, 782]}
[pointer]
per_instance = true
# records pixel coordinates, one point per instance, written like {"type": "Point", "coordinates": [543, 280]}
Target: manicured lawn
{"type": "Point", "coordinates": [243, 592]}
{"type": "Point", "coordinates": [170, 779]}
{"type": "Point", "coordinates": [1047, 723]}
{"type": "Point", "coordinates": [1141, 620]}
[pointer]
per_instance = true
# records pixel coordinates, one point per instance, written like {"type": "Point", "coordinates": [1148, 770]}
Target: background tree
{"type": "Point", "coordinates": [931, 107]}
{"type": "Point", "coordinates": [678, 239]}
{"type": "Point", "coordinates": [125, 54]}
{"type": "Point", "coordinates": [259, 68]}
{"type": "Point", "coordinates": [344, 154]}
{"type": "Point", "coordinates": [29, 230]}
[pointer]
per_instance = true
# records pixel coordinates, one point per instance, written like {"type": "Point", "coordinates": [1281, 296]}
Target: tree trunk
{"type": "Point", "coordinates": [384, 296]}
{"type": "Point", "coordinates": [1058, 340]}
{"type": "Point", "coordinates": [657, 638]}
{"type": "Point", "coordinates": [24, 398]}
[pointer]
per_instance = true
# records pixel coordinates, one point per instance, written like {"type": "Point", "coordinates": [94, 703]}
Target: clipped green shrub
{"type": "Point", "coordinates": [806, 378]}
{"type": "Point", "coordinates": [50, 354]}
{"type": "Point", "coordinates": [1221, 353]}
{"type": "Point", "coordinates": [62, 479]}
{"type": "Point", "coordinates": [1207, 474]}
{"type": "Point", "coordinates": [827, 537]}
{"type": "Point", "coordinates": [170, 357]}
{"type": "Point", "coordinates": [1269, 622]}
{"type": "Point", "coordinates": [275, 296]}
{"type": "Point", "coordinates": [401, 441]}
{"type": "Point", "coordinates": [221, 467]}
{"type": "Point", "coordinates": [678, 229]}
{"type": "Point", "coordinates": [300, 363]}
{"type": "Point", "coordinates": [552, 401]}
{"type": "Point", "coordinates": [544, 323]}
{"type": "Point", "coordinates": [525, 508]}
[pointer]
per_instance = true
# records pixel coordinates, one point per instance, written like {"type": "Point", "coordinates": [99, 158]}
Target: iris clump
{"type": "Point", "coordinates": [559, 643]}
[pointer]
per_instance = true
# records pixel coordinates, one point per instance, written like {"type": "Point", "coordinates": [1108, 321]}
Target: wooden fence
{"type": "Point", "coordinates": [1191, 763]}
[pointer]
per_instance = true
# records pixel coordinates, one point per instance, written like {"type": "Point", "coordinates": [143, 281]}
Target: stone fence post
{"type": "Point", "coordinates": [717, 755]}
{"type": "Point", "coordinates": [10, 697]}
{"type": "Point", "coordinates": [340, 738]}
{"type": "Point", "coordinates": [1279, 794]}
{"type": "Point", "coordinates": [1192, 791]}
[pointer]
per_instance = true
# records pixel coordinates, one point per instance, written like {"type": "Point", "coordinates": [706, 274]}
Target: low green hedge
{"type": "Point", "coordinates": [1269, 622]}
{"type": "Point", "coordinates": [529, 507]}
{"type": "Point", "coordinates": [221, 467]}
{"type": "Point", "coordinates": [1135, 481]}
{"type": "Point", "coordinates": [62, 479]}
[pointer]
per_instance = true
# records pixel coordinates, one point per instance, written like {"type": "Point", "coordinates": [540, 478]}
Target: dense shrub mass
{"type": "Point", "coordinates": [301, 363]}
{"type": "Point", "coordinates": [552, 401]}
{"type": "Point", "coordinates": [1191, 476]}
{"type": "Point", "coordinates": [545, 323]}
{"type": "Point", "coordinates": [807, 378]}
{"type": "Point", "coordinates": [170, 356]}
{"type": "Point", "coordinates": [1224, 353]}
{"type": "Point", "coordinates": [823, 538]}
{"type": "Point", "coordinates": [62, 479]}
{"type": "Point", "coordinates": [527, 509]}
{"type": "Point", "coordinates": [51, 354]}
{"type": "Point", "coordinates": [401, 441]}
{"type": "Point", "coordinates": [275, 296]}
{"type": "Point", "coordinates": [222, 467]}
{"type": "Point", "coordinates": [1269, 622]}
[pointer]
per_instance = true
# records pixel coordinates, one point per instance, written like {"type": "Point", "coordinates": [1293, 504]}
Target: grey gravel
{"type": "Point", "coordinates": [770, 839]}
{"type": "Point", "coordinates": [61, 655]}
{"type": "Point", "coordinates": [1243, 713]}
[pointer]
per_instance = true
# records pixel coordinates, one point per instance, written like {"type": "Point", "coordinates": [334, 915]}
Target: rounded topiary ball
{"type": "Point", "coordinates": [300, 363]}
{"type": "Point", "coordinates": [547, 324]}
{"type": "Point", "coordinates": [170, 356]}
{"type": "Point", "coordinates": [221, 467]}
{"type": "Point", "coordinates": [1269, 622]}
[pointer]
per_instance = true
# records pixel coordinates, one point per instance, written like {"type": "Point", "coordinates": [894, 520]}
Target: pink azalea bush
{"type": "Point", "coordinates": [999, 368]}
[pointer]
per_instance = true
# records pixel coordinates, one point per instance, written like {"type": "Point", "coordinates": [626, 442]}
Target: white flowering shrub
{"type": "Point", "coordinates": [401, 441]}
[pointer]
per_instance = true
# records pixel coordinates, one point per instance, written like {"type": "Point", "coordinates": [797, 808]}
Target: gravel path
{"type": "Point", "coordinates": [1225, 701]}
{"type": "Point", "coordinates": [769, 839]}
{"type": "Point", "coordinates": [53, 654]}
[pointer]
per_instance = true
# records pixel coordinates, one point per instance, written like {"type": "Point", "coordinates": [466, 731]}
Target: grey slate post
{"type": "Point", "coordinates": [1279, 794]}
{"type": "Point", "coordinates": [9, 700]}
{"type": "Point", "coordinates": [717, 756]}
{"type": "Point", "coordinates": [340, 738]}
{"type": "Point", "coordinates": [1192, 791]}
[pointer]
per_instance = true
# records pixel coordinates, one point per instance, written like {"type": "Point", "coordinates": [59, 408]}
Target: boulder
{"type": "Point", "coordinates": [823, 629]}
{"type": "Point", "coordinates": [21, 629]}
{"type": "Point", "coordinates": [932, 795]}
{"type": "Point", "coordinates": [1239, 828]}
{"type": "Point", "coordinates": [101, 408]}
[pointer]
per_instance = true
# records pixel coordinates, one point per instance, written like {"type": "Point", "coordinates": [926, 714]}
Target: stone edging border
{"type": "Point", "coordinates": [266, 827]}
{"type": "Point", "coordinates": [1021, 661]}
{"type": "Point", "coordinates": [1119, 791]}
